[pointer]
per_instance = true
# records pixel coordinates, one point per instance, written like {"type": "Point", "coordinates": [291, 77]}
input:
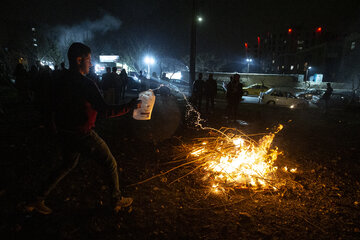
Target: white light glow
{"type": "Point", "coordinates": [47, 63]}
{"type": "Point", "coordinates": [109, 58]}
{"type": "Point", "coordinates": [149, 60]}
{"type": "Point", "coordinates": [99, 68]}
{"type": "Point", "coordinates": [176, 75]}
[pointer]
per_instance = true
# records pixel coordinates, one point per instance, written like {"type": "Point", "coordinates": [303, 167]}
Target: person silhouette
{"type": "Point", "coordinates": [77, 101]}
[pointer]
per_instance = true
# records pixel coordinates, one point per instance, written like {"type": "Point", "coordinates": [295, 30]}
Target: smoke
{"type": "Point", "coordinates": [85, 31]}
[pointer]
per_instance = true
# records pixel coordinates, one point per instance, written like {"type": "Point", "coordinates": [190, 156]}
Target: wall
{"type": "Point", "coordinates": [270, 80]}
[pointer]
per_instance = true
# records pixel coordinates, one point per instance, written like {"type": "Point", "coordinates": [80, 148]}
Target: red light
{"type": "Point", "coordinates": [246, 45]}
{"type": "Point", "coordinates": [289, 30]}
{"type": "Point", "coordinates": [318, 29]}
{"type": "Point", "coordinates": [258, 40]}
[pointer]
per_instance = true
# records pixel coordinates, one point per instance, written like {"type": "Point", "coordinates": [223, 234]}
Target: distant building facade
{"type": "Point", "coordinates": [349, 67]}
{"type": "Point", "coordinates": [304, 51]}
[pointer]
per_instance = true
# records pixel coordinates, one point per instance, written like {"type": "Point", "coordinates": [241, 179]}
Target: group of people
{"type": "Point", "coordinates": [36, 86]}
{"type": "Point", "coordinates": [113, 84]}
{"type": "Point", "coordinates": [32, 85]}
{"type": "Point", "coordinates": [234, 93]}
{"type": "Point", "coordinates": [207, 88]}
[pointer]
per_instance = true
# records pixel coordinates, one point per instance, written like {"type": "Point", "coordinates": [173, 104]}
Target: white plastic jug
{"type": "Point", "coordinates": [147, 103]}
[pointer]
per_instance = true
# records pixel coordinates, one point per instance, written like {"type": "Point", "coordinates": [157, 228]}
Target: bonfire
{"type": "Point", "coordinates": [229, 159]}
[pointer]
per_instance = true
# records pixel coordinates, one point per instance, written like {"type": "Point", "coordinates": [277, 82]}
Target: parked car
{"type": "Point", "coordinates": [255, 89]}
{"type": "Point", "coordinates": [312, 95]}
{"type": "Point", "coordinates": [134, 81]}
{"type": "Point", "coordinates": [282, 98]}
{"type": "Point", "coordinates": [179, 85]}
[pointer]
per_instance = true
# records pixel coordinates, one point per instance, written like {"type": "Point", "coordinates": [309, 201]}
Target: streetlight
{"type": "Point", "coordinates": [149, 61]}
{"type": "Point", "coordinates": [248, 60]}
{"type": "Point", "coordinates": [195, 20]}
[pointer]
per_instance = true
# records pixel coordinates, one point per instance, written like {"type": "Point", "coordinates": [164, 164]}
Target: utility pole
{"type": "Point", "coordinates": [193, 45]}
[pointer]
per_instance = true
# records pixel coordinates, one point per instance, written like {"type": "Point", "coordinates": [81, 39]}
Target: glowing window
{"type": "Point", "coordinates": [109, 58]}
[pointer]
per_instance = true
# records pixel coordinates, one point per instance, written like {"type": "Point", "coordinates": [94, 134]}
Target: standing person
{"type": "Point", "coordinates": [210, 92]}
{"type": "Point", "coordinates": [124, 82]}
{"type": "Point", "coordinates": [198, 88]}
{"type": "Point", "coordinates": [62, 67]}
{"type": "Point", "coordinates": [234, 95]}
{"type": "Point", "coordinates": [4, 74]}
{"type": "Point", "coordinates": [21, 82]}
{"type": "Point", "coordinates": [154, 75]}
{"type": "Point", "coordinates": [164, 77]}
{"type": "Point", "coordinates": [117, 84]}
{"type": "Point", "coordinates": [33, 83]}
{"type": "Point", "coordinates": [108, 86]}
{"type": "Point", "coordinates": [143, 81]}
{"type": "Point", "coordinates": [93, 76]}
{"type": "Point", "coordinates": [76, 105]}
{"type": "Point", "coordinates": [327, 96]}
{"type": "Point", "coordinates": [45, 85]}
{"type": "Point", "coordinates": [56, 72]}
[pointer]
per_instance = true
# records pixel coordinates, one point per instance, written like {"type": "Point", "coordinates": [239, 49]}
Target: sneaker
{"type": "Point", "coordinates": [123, 202]}
{"type": "Point", "coordinates": [38, 206]}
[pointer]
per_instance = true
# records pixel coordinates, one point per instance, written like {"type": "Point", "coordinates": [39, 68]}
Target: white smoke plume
{"type": "Point", "coordinates": [85, 31]}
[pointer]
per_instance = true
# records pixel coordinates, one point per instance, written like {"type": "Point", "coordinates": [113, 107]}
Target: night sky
{"type": "Point", "coordinates": [227, 23]}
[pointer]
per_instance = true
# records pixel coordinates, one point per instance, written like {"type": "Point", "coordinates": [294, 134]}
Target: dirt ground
{"type": "Point", "coordinates": [323, 202]}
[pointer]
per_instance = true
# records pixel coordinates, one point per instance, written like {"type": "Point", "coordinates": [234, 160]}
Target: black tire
{"type": "Point", "coordinates": [271, 103]}
{"type": "Point", "coordinates": [246, 93]}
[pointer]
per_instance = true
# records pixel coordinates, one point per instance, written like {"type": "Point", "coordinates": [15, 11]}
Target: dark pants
{"type": "Point", "coordinates": [122, 91]}
{"type": "Point", "coordinates": [197, 100]}
{"type": "Point", "coordinates": [210, 98]}
{"type": "Point", "coordinates": [233, 103]}
{"type": "Point", "coordinates": [90, 145]}
{"type": "Point", "coordinates": [118, 92]}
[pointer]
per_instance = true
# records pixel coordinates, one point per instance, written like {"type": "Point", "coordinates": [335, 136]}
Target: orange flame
{"type": "Point", "coordinates": [239, 162]}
